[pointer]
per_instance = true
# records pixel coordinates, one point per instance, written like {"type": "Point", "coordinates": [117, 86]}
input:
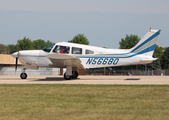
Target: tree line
{"type": "Point", "coordinates": [162, 53]}
{"type": "Point", "coordinates": [28, 44]}
{"type": "Point", "coordinates": [24, 44]}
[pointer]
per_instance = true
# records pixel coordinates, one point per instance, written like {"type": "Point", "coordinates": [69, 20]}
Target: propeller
{"type": "Point", "coordinates": [16, 54]}
{"type": "Point", "coordinates": [16, 62]}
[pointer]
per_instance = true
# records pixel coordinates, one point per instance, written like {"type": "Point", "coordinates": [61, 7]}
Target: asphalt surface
{"type": "Point", "coordinates": [133, 80]}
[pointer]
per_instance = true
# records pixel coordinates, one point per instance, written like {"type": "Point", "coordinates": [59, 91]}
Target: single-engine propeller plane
{"type": "Point", "coordinates": [77, 56]}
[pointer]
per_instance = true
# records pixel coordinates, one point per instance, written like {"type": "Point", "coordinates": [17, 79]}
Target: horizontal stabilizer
{"type": "Point", "coordinates": [146, 61]}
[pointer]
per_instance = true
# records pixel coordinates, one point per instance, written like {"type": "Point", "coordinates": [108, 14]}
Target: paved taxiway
{"type": "Point", "coordinates": [147, 80]}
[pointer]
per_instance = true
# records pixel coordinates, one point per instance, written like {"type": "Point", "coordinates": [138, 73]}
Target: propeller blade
{"type": "Point", "coordinates": [16, 64]}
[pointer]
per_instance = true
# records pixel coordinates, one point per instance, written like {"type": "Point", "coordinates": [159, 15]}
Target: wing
{"type": "Point", "coordinates": [64, 60]}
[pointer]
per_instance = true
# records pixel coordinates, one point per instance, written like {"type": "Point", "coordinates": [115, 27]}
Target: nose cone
{"type": "Point", "coordinates": [15, 55]}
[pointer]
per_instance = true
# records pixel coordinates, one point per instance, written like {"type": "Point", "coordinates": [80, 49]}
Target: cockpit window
{"type": "Point", "coordinates": [61, 49]}
{"type": "Point", "coordinates": [48, 48]}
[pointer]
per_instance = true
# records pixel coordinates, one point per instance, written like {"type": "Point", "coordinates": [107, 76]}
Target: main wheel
{"type": "Point", "coordinates": [74, 74]}
{"type": "Point", "coordinates": [67, 77]}
{"type": "Point", "coordinates": [23, 75]}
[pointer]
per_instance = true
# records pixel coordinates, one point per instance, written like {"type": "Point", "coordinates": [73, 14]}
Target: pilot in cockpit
{"type": "Point", "coordinates": [63, 49]}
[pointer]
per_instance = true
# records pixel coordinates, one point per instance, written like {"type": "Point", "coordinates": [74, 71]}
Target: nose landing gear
{"type": "Point", "coordinates": [23, 75]}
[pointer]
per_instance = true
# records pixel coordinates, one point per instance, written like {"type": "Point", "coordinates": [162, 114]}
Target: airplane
{"type": "Point", "coordinates": [77, 56]}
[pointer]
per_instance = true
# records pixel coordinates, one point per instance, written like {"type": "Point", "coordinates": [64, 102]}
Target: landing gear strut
{"type": "Point", "coordinates": [23, 75]}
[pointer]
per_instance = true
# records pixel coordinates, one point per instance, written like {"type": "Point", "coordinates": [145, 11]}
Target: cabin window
{"type": "Point", "coordinates": [76, 50]}
{"type": "Point", "coordinates": [89, 52]}
{"type": "Point", "coordinates": [61, 49]}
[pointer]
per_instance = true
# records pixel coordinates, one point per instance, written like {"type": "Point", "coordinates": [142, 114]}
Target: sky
{"type": "Point", "coordinates": [103, 22]}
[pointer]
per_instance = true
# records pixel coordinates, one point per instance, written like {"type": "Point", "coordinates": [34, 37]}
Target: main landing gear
{"type": "Point", "coordinates": [73, 76]}
{"type": "Point", "coordinates": [23, 75]}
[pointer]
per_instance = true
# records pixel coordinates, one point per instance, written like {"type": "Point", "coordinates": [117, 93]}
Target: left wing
{"type": "Point", "coordinates": [64, 60]}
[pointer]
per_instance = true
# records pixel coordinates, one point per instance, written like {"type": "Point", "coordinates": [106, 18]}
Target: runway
{"type": "Point", "coordinates": [112, 80]}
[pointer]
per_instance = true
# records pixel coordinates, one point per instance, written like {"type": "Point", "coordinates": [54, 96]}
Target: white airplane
{"type": "Point", "coordinates": [77, 56]}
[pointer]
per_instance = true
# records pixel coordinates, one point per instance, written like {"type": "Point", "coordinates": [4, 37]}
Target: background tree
{"type": "Point", "coordinates": [40, 44]}
{"type": "Point", "coordinates": [158, 52]}
{"type": "Point", "coordinates": [3, 48]}
{"type": "Point", "coordinates": [25, 44]}
{"type": "Point", "coordinates": [48, 43]}
{"type": "Point", "coordinates": [155, 65]}
{"type": "Point", "coordinates": [165, 59]}
{"type": "Point", "coordinates": [81, 39]}
{"type": "Point", "coordinates": [12, 48]}
{"type": "Point", "coordinates": [129, 41]}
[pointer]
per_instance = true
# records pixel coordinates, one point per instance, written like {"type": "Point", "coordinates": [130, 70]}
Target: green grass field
{"type": "Point", "coordinates": [84, 102]}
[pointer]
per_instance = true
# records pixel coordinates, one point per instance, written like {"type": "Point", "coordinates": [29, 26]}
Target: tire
{"type": "Point", "coordinates": [75, 75]}
{"type": "Point", "coordinates": [67, 77]}
{"type": "Point", "coordinates": [23, 75]}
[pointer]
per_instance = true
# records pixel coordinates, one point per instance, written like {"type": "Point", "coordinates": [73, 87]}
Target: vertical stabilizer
{"type": "Point", "coordinates": [147, 44]}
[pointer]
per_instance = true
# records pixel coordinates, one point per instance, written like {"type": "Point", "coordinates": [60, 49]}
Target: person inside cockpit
{"type": "Point", "coordinates": [63, 49]}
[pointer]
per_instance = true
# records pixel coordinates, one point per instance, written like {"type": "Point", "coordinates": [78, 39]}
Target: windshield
{"type": "Point", "coordinates": [48, 48]}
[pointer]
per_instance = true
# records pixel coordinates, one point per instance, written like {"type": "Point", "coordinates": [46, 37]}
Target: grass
{"type": "Point", "coordinates": [62, 102]}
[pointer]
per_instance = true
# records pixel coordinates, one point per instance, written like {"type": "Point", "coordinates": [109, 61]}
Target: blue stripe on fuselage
{"type": "Point", "coordinates": [149, 49]}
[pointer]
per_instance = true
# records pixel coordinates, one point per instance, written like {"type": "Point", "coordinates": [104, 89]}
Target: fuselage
{"type": "Point", "coordinates": [90, 56]}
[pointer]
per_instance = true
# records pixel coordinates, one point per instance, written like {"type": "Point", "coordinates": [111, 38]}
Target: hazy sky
{"type": "Point", "coordinates": [117, 6]}
{"type": "Point", "coordinates": [103, 22]}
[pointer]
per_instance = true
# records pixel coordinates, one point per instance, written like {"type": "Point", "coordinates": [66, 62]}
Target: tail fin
{"type": "Point", "coordinates": [147, 44]}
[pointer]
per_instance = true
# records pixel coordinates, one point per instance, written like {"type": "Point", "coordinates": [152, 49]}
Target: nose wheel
{"type": "Point", "coordinates": [23, 75]}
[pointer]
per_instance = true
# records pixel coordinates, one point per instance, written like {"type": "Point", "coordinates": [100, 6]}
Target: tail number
{"type": "Point", "coordinates": [102, 61]}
